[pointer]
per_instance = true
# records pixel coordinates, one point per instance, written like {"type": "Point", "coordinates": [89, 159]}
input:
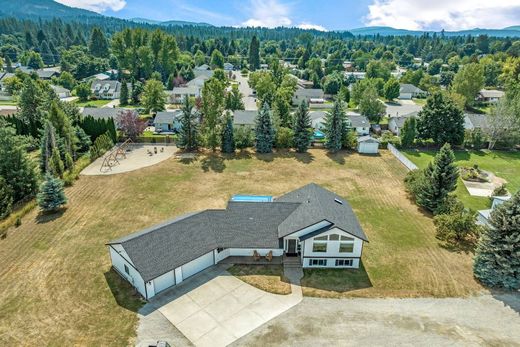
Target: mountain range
{"type": "Point", "coordinates": [46, 9]}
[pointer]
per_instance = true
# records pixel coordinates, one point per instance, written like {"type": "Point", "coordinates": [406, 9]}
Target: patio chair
{"type": "Point", "coordinates": [256, 256]}
{"type": "Point", "coordinates": [269, 256]}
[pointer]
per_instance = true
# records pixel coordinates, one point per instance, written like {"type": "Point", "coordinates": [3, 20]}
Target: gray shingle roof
{"type": "Point", "coordinates": [309, 93]}
{"type": "Point", "coordinates": [166, 117]}
{"type": "Point", "coordinates": [101, 84]}
{"type": "Point", "coordinates": [491, 93]}
{"type": "Point", "coordinates": [410, 88]}
{"type": "Point", "coordinates": [244, 117]}
{"type": "Point", "coordinates": [319, 204]}
{"type": "Point", "coordinates": [368, 139]}
{"type": "Point", "coordinates": [476, 120]}
{"type": "Point", "coordinates": [102, 112]}
{"type": "Point", "coordinates": [359, 121]}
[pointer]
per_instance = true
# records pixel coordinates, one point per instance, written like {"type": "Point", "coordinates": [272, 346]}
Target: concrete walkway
{"type": "Point", "coordinates": [213, 308]}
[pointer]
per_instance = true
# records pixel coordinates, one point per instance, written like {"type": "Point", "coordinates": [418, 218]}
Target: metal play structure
{"type": "Point", "coordinates": [112, 158]}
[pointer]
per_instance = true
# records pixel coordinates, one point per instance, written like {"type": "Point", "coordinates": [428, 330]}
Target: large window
{"type": "Point", "coordinates": [344, 262]}
{"type": "Point", "coordinates": [320, 247]}
{"type": "Point", "coordinates": [346, 247]}
{"type": "Point", "coordinates": [318, 262]}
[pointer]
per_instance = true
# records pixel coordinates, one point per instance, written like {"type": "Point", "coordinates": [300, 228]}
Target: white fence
{"type": "Point", "coordinates": [401, 157]}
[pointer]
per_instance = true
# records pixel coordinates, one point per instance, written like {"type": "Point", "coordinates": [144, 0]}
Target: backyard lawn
{"type": "Point", "coordinates": [92, 103]}
{"type": "Point", "coordinates": [503, 164]}
{"type": "Point", "coordinates": [56, 286]}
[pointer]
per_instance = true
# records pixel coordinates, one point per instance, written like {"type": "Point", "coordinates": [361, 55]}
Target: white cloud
{"type": "Point", "coordinates": [308, 26]}
{"type": "Point", "coordinates": [444, 14]}
{"type": "Point", "coordinates": [268, 13]}
{"type": "Point", "coordinates": [95, 5]}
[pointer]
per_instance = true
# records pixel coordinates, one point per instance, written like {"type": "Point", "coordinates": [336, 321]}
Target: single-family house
{"type": "Point", "coordinates": [311, 224]}
{"type": "Point", "coordinates": [203, 70]}
{"type": "Point", "coordinates": [395, 124]}
{"type": "Point", "coordinates": [61, 92]}
{"type": "Point", "coordinates": [475, 121]}
{"type": "Point", "coordinates": [409, 91]}
{"type": "Point", "coordinates": [359, 123]}
{"type": "Point", "coordinates": [102, 112]}
{"type": "Point", "coordinates": [367, 145]}
{"type": "Point", "coordinates": [106, 89]}
{"type": "Point", "coordinates": [177, 95]}
{"type": "Point", "coordinates": [317, 119]}
{"type": "Point", "coordinates": [244, 117]}
{"type": "Point", "coordinates": [229, 67]}
{"type": "Point", "coordinates": [44, 74]}
{"type": "Point", "coordinates": [490, 95]}
{"type": "Point", "coordinates": [3, 77]}
{"type": "Point", "coordinates": [312, 96]}
{"type": "Point", "coordinates": [167, 121]}
{"type": "Point", "coordinates": [484, 215]}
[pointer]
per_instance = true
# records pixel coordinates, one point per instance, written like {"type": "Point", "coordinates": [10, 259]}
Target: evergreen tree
{"type": "Point", "coordinates": [302, 128]}
{"type": "Point", "coordinates": [46, 53]}
{"type": "Point", "coordinates": [51, 195]}
{"type": "Point", "coordinates": [98, 44]}
{"type": "Point", "coordinates": [63, 127]}
{"type": "Point", "coordinates": [335, 127]}
{"type": "Point", "coordinates": [497, 257]}
{"type": "Point", "coordinates": [8, 64]}
{"type": "Point", "coordinates": [213, 99]}
{"type": "Point", "coordinates": [137, 89]}
{"type": "Point", "coordinates": [441, 179]}
{"type": "Point", "coordinates": [6, 198]}
{"type": "Point", "coordinates": [408, 133]}
{"type": "Point", "coordinates": [48, 145]}
{"type": "Point", "coordinates": [441, 120]}
{"type": "Point", "coordinates": [264, 130]}
{"type": "Point", "coordinates": [29, 103]}
{"type": "Point", "coordinates": [228, 140]}
{"type": "Point", "coordinates": [254, 54]}
{"type": "Point", "coordinates": [123, 97]}
{"type": "Point", "coordinates": [189, 131]}
{"type": "Point", "coordinates": [15, 166]}
{"type": "Point", "coordinates": [55, 166]}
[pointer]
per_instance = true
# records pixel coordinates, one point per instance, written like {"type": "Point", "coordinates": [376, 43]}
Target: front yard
{"type": "Point", "coordinates": [266, 277]}
{"type": "Point", "coordinates": [503, 164]}
{"type": "Point", "coordinates": [56, 286]}
{"type": "Point", "coordinates": [92, 103]}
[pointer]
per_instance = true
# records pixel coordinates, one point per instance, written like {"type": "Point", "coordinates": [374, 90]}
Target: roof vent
{"type": "Point", "coordinates": [338, 201]}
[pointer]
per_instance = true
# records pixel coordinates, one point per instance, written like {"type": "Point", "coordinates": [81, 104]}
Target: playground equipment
{"type": "Point", "coordinates": [112, 158]}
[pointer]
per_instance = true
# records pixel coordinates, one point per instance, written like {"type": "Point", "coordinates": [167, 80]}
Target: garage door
{"type": "Point", "coordinates": [197, 265]}
{"type": "Point", "coordinates": [163, 282]}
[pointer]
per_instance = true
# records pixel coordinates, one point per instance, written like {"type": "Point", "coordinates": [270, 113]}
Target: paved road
{"type": "Point", "coordinates": [475, 321]}
{"type": "Point", "coordinates": [247, 93]}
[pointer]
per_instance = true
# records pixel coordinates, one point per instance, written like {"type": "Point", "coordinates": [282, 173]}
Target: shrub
{"type": "Point", "coordinates": [284, 138]}
{"type": "Point", "coordinates": [6, 199]}
{"type": "Point", "coordinates": [387, 137]}
{"type": "Point", "coordinates": [414, 182]}
{"type": "Point", "coordinates": [500, 191]}
{"type": "Point", "coordinates": [51, 195]}
{"type": "Point", "coordinates": [244, 137]}
{"type": "Point", "coordinates": [350, 140]}
{"type": "Point", "coordinates": [456, 225]}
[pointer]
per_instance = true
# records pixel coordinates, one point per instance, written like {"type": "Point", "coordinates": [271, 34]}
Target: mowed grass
{"type": "Point", "coordinates": [56, 287]}
{"type": "Point", "coordinates": [92, 103]}
{"type": "Point", "coordinates": [269, 278]}
{"type": "Point", "coordinates": [503, 164]}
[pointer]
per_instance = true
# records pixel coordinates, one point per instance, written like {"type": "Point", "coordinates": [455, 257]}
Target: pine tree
{"type": "Point", "coordinates": [408, 132]}
{"type": "Point", "coordinates": [302, 128]}
{"type": "Point", "coordinates": [497, 257]}
{"type": "Point", "coordinates": [335, 127]}
{"type": "Point", "coordinates": [98, 45]}
{"type": "Point", "coordinates": [29, 102]}
{"type": "Point", "coordinates": [55, 166]}
{"type": "Point", "coordinates": [6, 198]}
{"type": "Point", "coordinates": [189, 131]}
{"type": "Point", "coordinates": [51, 195]}
{"type": "Point", "coordinates": [15, 166]}
{"type": "Point", "coordinates": [64, 128]}
{"type": "Point", "coordinates": [228, 140]}
{"type": "Point", "coordinates": [123, 97]}
{"type": "Point", "coordinates": [441, 179]}
{"type": "Point", "coordinates": [48, 144]}
{"type": "Point", "coordinates": [264, 130]}
{"type": "Point", "coordinates": [254, 54]}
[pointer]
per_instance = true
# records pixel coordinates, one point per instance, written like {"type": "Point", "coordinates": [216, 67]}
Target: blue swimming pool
{"type": "Point", "coordinates": [318, 135]}
{"type": "Point", "coordinates": [252, 198]}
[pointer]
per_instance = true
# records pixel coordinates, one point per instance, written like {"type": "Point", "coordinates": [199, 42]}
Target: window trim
{"type": "Point", "coordinates": [127, 269]}
{"type": "Point", "coordinates": [322, 243]}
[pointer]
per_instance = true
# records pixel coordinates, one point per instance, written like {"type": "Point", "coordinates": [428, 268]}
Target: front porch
{"type": "Point", "coordinates": [250, 260]}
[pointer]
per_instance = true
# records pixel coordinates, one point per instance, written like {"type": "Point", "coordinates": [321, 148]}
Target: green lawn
{"type": "Point", "coordinates": [8, 102]}
{"type": "Point", "coordinates": [421, 102]}
{"type": "Point", "coordinates": [503, 164]}
{"type": "Point", "coordinates": [92, 103]}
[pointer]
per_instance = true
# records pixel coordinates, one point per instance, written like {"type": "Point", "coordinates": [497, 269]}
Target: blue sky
{"type": "Point", "coordinates": [323, 15]}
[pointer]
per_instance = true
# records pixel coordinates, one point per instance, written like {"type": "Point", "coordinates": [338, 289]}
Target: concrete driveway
{"type": "Point", "coordinates": [401, 108]}
{"type": "Point", "coordinates": [247, 93]}
{"type": "Point", "coordinates": [212, 308]}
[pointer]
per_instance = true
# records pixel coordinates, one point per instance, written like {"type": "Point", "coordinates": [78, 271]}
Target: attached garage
{"type": "Point", "coordinates": [368, 145]}
{"type": "Point", "coordinates": [163, 282]}
{"type": "Point", "coordinates": [197, 265]}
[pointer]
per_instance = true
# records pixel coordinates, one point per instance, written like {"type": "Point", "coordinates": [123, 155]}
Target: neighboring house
{"type": "Point", "coordinates": [302, 83]}
{"type": "Point", "coordinates": [44, 74]}
{"type": "Point", "coordinates": [360, 124]}
{"type": "Point", "coordinates": [317, 119]}
{"type": "Point", "coordinates": [264, 66]}
{"type": "Point", "coordinates": [102, 112]}
{"type": "Point", "coordinates": [311, 224]}
{"type": "Point", "coordinates": [177, 95]}
{"type": "Point", "coordinates": [409, 91]}
{"type": "Point", "coordinates": [484, 215]}
{"type": "Point", "coordinates": [203, 70]}
{"type": "Point", "coordinates": [395, 124]}
{"type": "Point", "coordinates": [358, 75]}
{"type": "Point", "coordinates": [3, 77]}
{"type": "Point", "coordinates": [229, 67]}
{"type": "Point", "coordinates": [168, 121]}
{"type": "Point", "coordinates": [244, 117]}
{"type": "Point", "coordinates": [368, 145]}
{"type": "Point", "coordinates": [475, 121]}
{"type": "Point", "coordinates": [106, 89]}
{"type": "Point", "coordinates": [490, 95]}
{"type": "Point", "coordinates": [312, 96]}
{"type": "Point", "coordinates": [61, 92]}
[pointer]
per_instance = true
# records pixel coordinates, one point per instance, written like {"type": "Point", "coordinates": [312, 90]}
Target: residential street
{"type": "Point", "coordinates": [247, 93]}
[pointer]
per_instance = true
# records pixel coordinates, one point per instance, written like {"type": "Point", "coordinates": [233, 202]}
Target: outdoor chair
{"type": "Point", "coordinates": [269, 256]}
{"type": "Point", "coordinates": [256, 256]}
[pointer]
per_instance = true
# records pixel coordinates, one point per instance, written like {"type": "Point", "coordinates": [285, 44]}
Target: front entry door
{"type": "Point", "coordinates": [291, 247]}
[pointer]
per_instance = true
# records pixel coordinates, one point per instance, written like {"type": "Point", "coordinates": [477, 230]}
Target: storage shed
{"type": "Point", "coordinates": [368, 145]}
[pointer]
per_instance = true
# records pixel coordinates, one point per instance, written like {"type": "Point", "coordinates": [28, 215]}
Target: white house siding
{"type": "Point", "coordinates": [197, 265]}
{"type": "Point", "coordinates": [163, 282]}
{"type": "Point", "coordinates": [332, 252]}
{"type": "Point", "coordinates": [405, 96]}
{"type": "Point", "coordinates": [223, 254]}
{"type": "Point", "coordinates": [178, 275]}
{"type": "Point", "coordinates": [362, 130]}
{"type": "Point", "coordinates": [368, 147]}
{"type": "Point", "coordinates": [392, 126]}
{"type": "Point", "coordinates": [118, 262]}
